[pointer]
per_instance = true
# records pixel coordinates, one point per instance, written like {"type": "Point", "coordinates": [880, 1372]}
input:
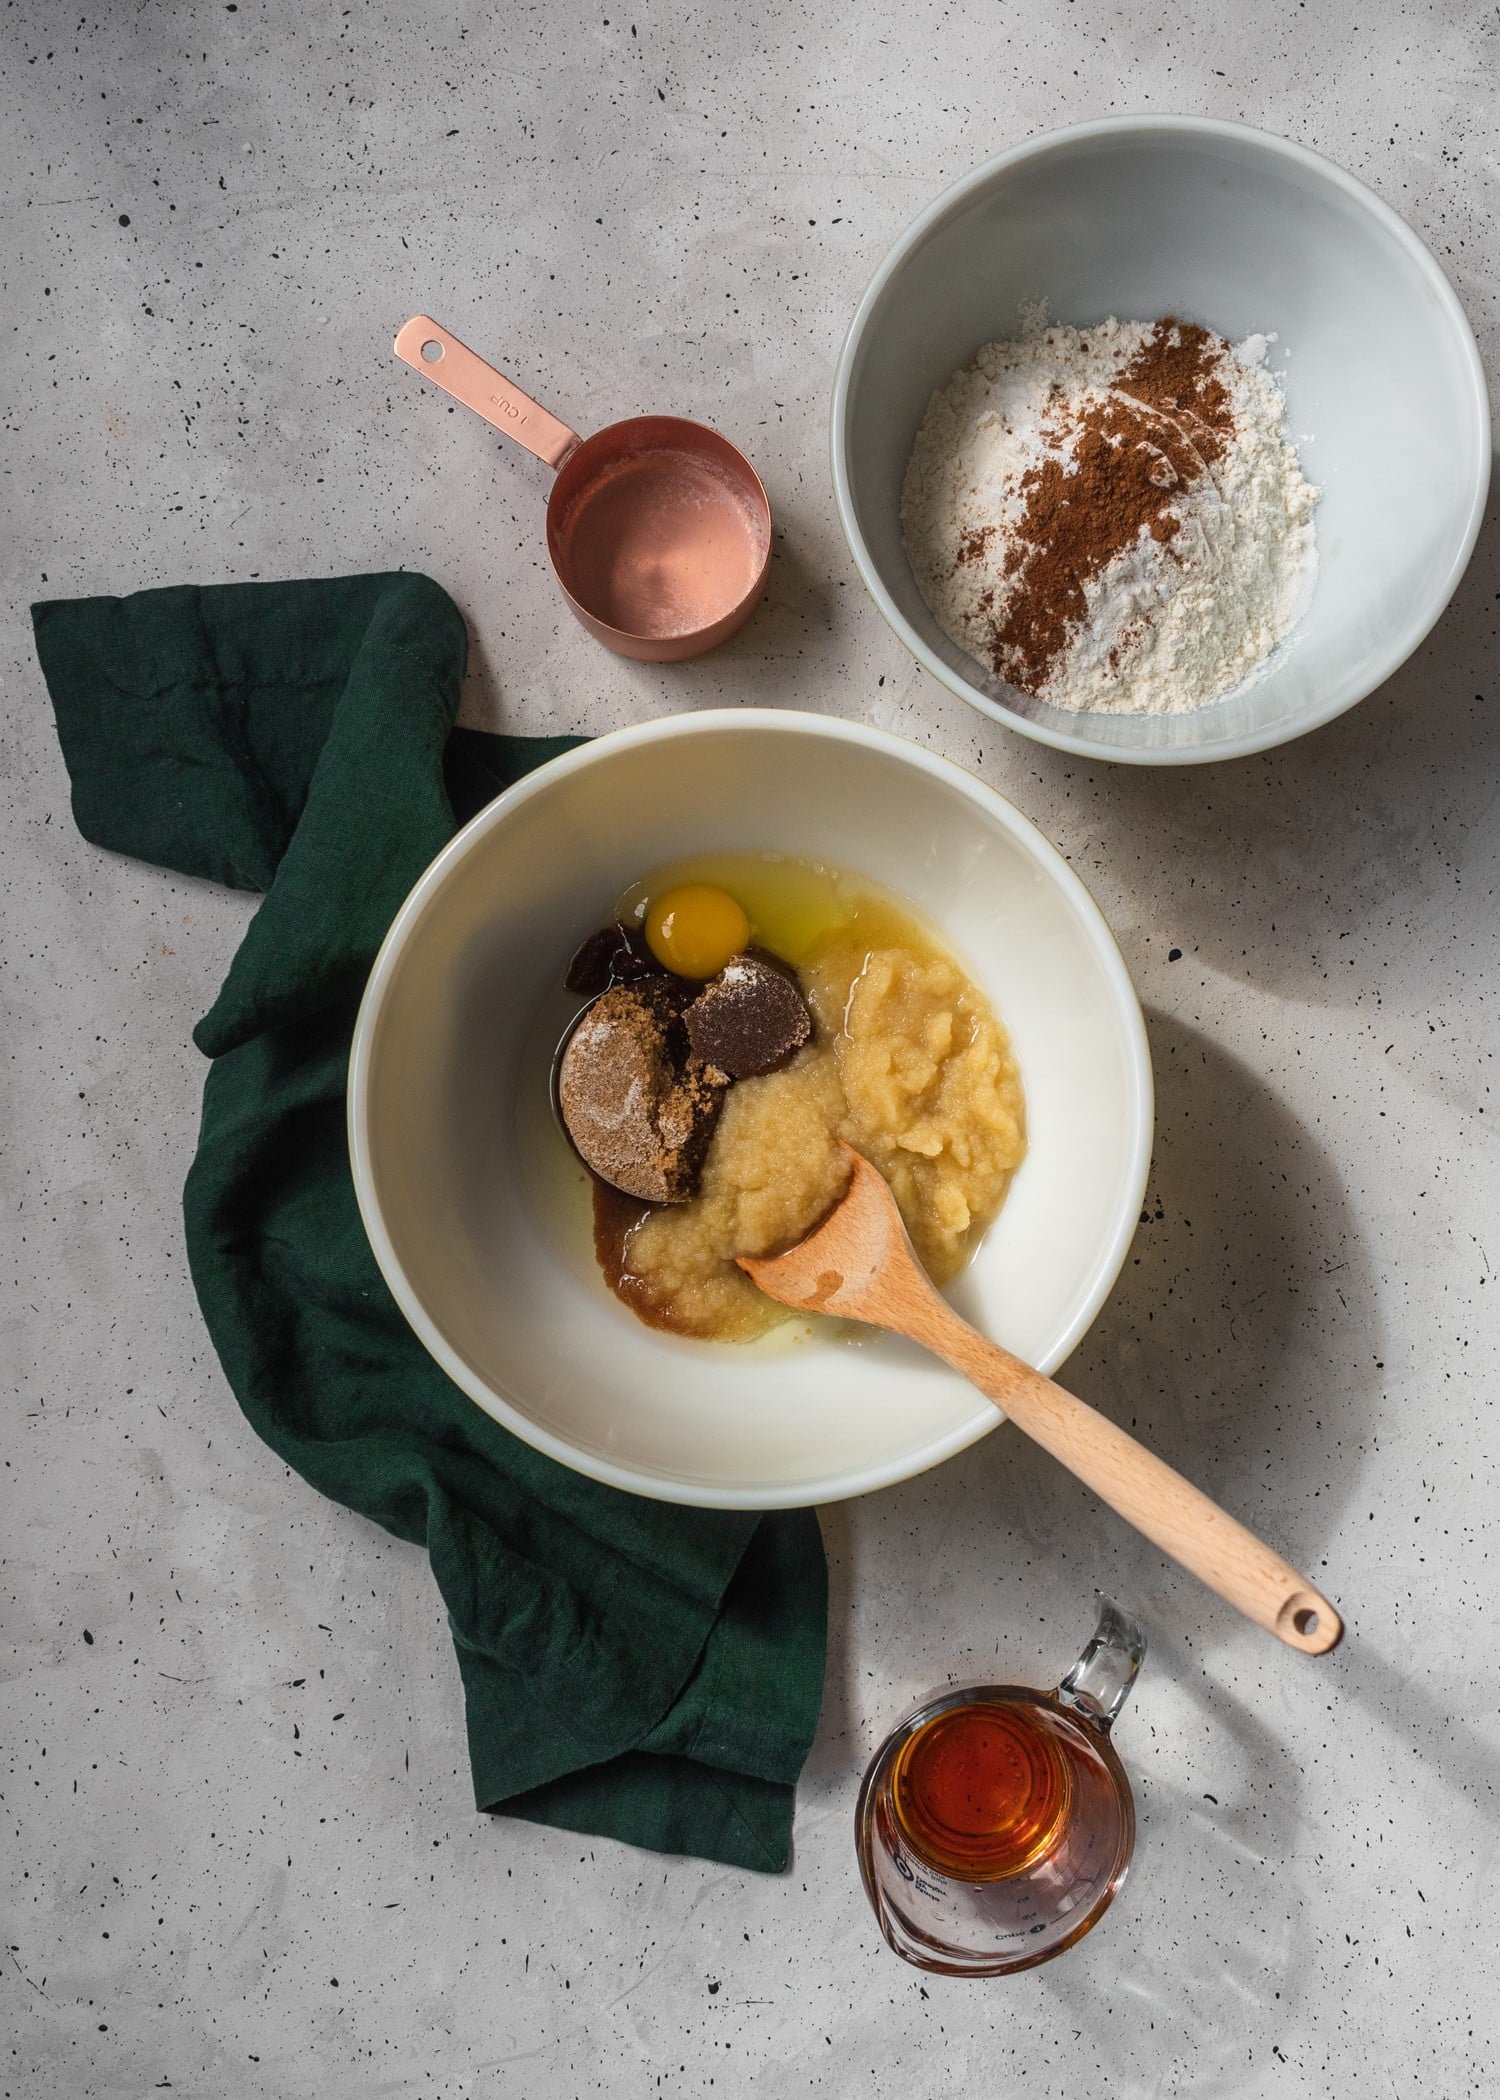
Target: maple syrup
{"type": "Point", "coordinates": [986, 1790]}
{"type": "Point", "coordinates": [995, 1824]}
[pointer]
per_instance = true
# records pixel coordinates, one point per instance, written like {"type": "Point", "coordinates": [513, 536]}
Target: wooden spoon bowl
{"type": "Point", "coordinates": [860, 1265]}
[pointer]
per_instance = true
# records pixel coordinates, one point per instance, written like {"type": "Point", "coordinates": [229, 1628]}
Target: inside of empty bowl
{"type": "Point", "coordinates": [489, 1238]}
{"type": "Point", "coordinates": [1224, 230]}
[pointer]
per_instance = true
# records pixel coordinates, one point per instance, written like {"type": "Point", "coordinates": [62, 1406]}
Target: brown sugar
{"type": "Point", "coordinates": [638, 1105]}
{"type": "Point", "coordinates": [750, 1018]}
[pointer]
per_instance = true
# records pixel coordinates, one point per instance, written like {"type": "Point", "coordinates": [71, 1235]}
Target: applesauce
{"type": "Point", "coordinates": [908, 1063]}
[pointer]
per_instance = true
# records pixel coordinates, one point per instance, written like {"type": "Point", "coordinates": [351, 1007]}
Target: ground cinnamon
{"type": "Point", "coordinates": [1130, 456]}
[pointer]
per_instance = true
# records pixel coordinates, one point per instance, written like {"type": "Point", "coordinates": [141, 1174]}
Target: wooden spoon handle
{"type": "Point", "coordinates": [1145, 1491]}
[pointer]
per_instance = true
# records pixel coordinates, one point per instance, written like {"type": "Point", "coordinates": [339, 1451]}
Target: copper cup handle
{"type": "Point", "coordinates": [455, 368]}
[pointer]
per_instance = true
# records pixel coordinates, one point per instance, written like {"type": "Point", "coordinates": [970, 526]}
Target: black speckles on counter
{"type": "Point", "coordinates": [215, 220]}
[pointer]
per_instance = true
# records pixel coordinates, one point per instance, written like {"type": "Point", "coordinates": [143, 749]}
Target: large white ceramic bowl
{"type": "Point", "coordinates": [477, 1210]}
{"type": "Point", "coordinates": [1141, 217]}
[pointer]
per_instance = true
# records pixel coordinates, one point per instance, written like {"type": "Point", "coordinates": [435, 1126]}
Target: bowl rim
{"type": "Point", "coordinates": [1274, 147]}
{"type": "Point", "coordinates": [831, 1487]}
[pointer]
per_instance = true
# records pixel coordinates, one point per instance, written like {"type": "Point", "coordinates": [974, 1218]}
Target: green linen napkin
{"type": "Point", "coordinates": [630, 1668]}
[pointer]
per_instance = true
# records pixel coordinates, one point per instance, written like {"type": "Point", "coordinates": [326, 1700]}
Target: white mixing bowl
{"type": "Point", "coordinates": [478, 1211]}
{"type": "Point", "coordinates": [1141, 217]}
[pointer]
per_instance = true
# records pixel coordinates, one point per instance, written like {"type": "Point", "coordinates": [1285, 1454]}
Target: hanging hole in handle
{"type": "Point", "coordinates": [1308, 1622]}
{"type": "Point", "coordinates": [432, 353]}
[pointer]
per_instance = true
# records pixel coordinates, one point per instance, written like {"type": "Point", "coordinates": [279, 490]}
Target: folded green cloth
{"type": "Point", "coordinates": [631, 1669]}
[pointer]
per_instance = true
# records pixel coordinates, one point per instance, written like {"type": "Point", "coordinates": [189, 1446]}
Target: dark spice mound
{"type": "Point", "coordinates": [614, 955]}
{"type": "Point", "coordinates": [750, 1018]}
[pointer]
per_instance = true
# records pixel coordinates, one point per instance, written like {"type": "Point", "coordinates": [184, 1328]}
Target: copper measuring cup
{"type": "Point", "coordinates": [658, 528]}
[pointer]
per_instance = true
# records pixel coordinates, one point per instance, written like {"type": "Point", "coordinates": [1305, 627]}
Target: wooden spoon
{"type": "Point", "coordinates": [860, 1265]}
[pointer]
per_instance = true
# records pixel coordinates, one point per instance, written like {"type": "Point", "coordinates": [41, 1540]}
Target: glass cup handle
{"type": "Point", "coordinates": [1099, 1682]}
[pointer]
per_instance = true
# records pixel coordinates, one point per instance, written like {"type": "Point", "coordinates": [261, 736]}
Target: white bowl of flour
{"type": "Point", "coordinates": [1152, 544]}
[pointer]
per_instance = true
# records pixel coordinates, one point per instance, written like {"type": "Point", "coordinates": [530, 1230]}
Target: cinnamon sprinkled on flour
{"type": "Point", "coordinates": [1069, 488]}
{"type": "Point", "coordinates": [1133, 451]}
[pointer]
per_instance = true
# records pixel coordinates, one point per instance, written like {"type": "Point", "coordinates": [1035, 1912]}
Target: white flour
{"type": "Point", "coordinates": [1199, 595]}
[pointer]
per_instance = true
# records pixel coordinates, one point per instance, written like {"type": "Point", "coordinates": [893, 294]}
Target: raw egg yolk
{"type": "Point", "coordinates": [693, 931]}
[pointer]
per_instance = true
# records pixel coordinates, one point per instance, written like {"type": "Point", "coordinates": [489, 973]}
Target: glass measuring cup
{"type": "Point", "coordinates": [995, 1824]}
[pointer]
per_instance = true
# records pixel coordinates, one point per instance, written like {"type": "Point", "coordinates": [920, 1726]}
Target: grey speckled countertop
{"type": "Point", "coordinates": [240, 1855]}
